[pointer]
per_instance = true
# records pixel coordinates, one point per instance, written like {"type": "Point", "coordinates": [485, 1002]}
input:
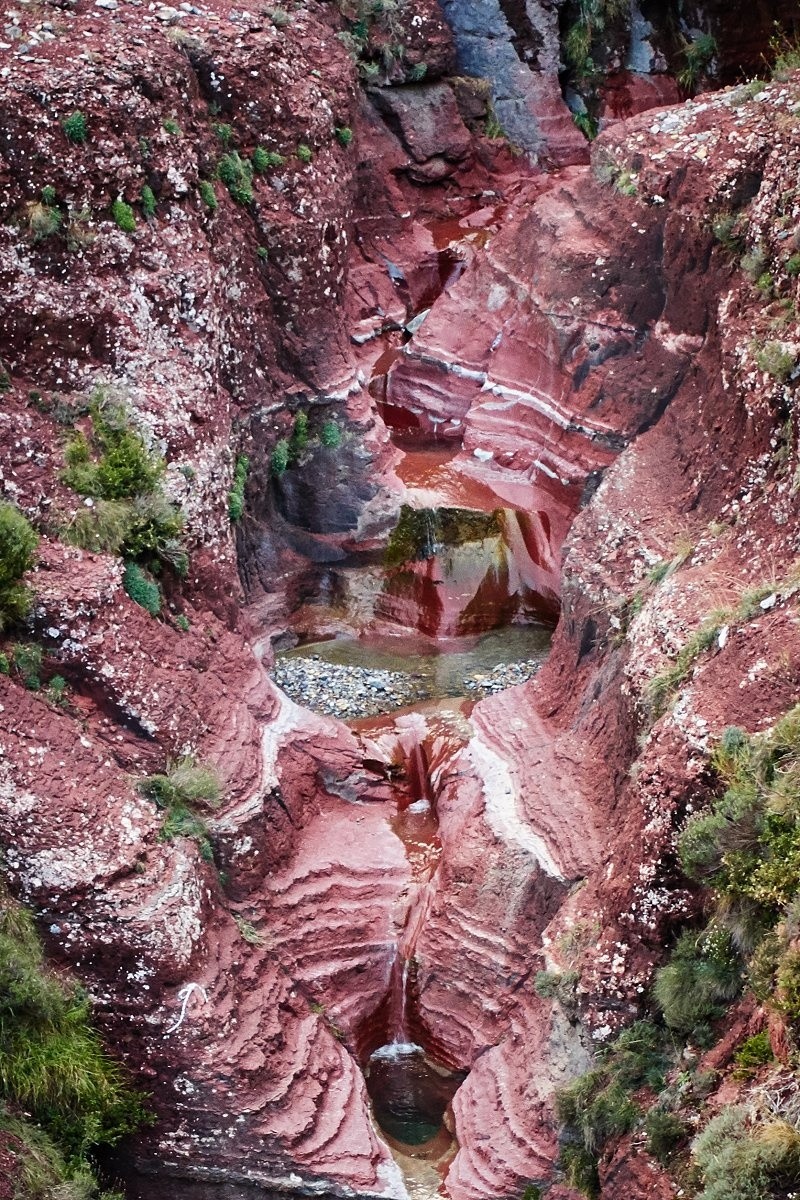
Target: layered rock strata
{"type": "Point", "coordinates": [631, 346]}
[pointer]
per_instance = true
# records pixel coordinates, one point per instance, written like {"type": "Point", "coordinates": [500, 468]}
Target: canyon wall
{"type": "Point", "coordinates": [600, 358]}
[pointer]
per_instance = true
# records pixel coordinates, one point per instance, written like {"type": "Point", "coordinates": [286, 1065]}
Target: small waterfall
{"type": "Point", "coordinates": [430, 529]}
{"type": "Point", "coordinates": [400, 1042]}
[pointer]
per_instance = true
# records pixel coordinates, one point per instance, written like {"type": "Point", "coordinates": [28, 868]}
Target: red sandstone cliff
{"type": "Point", "coordinates": [601, 334]}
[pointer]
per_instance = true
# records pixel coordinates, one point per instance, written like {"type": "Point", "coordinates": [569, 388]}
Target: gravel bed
{"type": "Point", "coordinates": [351, 692]}
{"type": "Point", "coordinates": [504, 675]}
{"type": "Point", "coordinates": [345, 692]}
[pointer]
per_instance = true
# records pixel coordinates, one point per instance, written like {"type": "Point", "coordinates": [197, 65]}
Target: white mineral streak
{"type": "Point", "coordinates": [500, 795]}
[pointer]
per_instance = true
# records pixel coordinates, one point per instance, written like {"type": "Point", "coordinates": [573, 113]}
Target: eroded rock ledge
{"type": "Point", "coordinates": [603, 348]}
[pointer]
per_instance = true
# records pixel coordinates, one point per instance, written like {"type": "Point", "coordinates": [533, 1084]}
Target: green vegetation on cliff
{"type": "Point", "coordinates": [18, 542]}
{"type": "Point", "coordinates": [127, 511]}
{"type": "Point", "coordinates": [61, 1095]}
{"type": "Point", "coordinates": [745, 848]}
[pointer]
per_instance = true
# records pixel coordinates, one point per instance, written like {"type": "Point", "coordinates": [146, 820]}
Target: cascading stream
{"type": "Point", "coordinates": [410, 1092]}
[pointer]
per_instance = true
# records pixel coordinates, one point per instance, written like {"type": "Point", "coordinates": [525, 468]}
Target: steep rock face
{"type": "Point", "coordinates": [534, 798]}
{"type": "Point", "coordinates": [260, 1086]}
{"type": "Point", "coordinates": [536, 354]}
{"type": "Point", "coordinates": [715, 471]}
{"type": "Point", "coordinates": [516, 46]}
{"type": "Point", "coordinates": [216, 319]}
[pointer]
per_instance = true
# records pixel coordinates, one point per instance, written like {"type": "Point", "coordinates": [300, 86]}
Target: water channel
{"type": "Point", "coordinates": [460, 608]}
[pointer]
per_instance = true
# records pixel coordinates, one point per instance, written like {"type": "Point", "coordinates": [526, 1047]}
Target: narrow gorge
{"type": "Point", "coordinates": [399, 582]}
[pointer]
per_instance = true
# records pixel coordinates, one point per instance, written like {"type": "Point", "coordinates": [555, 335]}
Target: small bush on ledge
{"type": "Point", "coordinates": [279, 459]}
{"type": "Point", "coordinates": [75, 127]}
{"type": "Point", "coordinates": [184, 782]}
{"type": "Point", "coordinates": [330, 434]}
{"type": "Point", "coordinates": [124, 216]}
{"type": "Point", "coordinates": [237, 175]}
{"type": "Point", "coordinates": [236, 495]}
{"type": "Point", "coordinates": [143, 590]}
{"type": "Point", "coordinates": [775, 360]}
{"type": "Point", "coordinates": [126, 512]}
{"type": "Point", "coordinates": [183, 787]}
{"type": "Point", "coordinates": [18, 542]}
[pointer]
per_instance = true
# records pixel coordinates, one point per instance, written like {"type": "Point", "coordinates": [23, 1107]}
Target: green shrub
{"type": "Point", "coordinates": [752, 1054]}
{"type": "Point", "coordinates": [754, 263]}
{"type": "Point", "coordinates": [237, 175]}
{"type": "Point", "coordinates": [259, 159]}
{"type": "Point", "coordinates": [280, 18]}
{"type": "Point", "coordinates": [52, 1064]}
{"type": "Point", "coordinates": [27, 657]}
{"type": "Point", "coordinates": [748, 843]}
{"type": "Point", "coordinates": [48, 194]}
{"type": "Point", "coordinates": [180, 821]}
{"type": "Point", "coordinates": [185, 785]}
{"type": "Point", "coordinates": [344, 135]}
{"type": "Point", "coordinates": [124, 216]}
{"type": "Point", "coordinates": [155, 536]}
{"type": "Point", "coordinates": [43, 220]}
{"type": "Point", "coordinates": [665, 1130]}
{"type": "Point", "coordinates": [143, 590]}
{"type": "Point", "coordinates": [114, 464]}
{"type": "Point", "coordinates": [330, 434]}
{"type": "Point", "coordinates": [182, 623]}
{"type": "Point", "coordinates": [279, 459]}
{"type": "Point", "coordinates": [248, 931]}
{"type": "Point", "coordinates": [587, 125]}
{"type": "Point", "coordinates": [727, 229]}
{"type": "Point", "coordinates": [18, 543]}
{"type": "Point", "coordinates": [171, 126]}
{"type": "Point", "coordinates": [298, 443]}
{"type": "Point", "coordinates": [207, 194]}
{"type": "Point", "coordinates": [57, 690]}
{"type": "Point", "coordinates": [236, 494]}
{"type": "Point", "coordinates": [224, 133]}
{"type": "Point", "coordinates": [263, 253]}
{"type": "Point", "coordinates": [102, 529]}
{"type": "Point", "coordinates": [639, 1057]}
{"type": "Point", "coordinates": [774, 359]}
{"type": "Point", "coordinates": [702, 976]}
{"type": "Point", "coordinates": [148, 201]}
{"type": "Point", "coordinates": [577, 46]}
{"type": "Point", "coordinates": [184, 782]}
{"type": "Point", "coordinates": [598, 1106]}
{"type": "Point", "coordinates": [551, 985]}
{"type": "Point", "coordinates": [765, 283]}
{"type": "Point", "coordinates": [580, 1169]}
{"type": "Point", "coordinates": [75, 127]}
{"type": "Point", "coordinates": [5, 664]}
{"type": "Point", "coordinates": [130, 515]}
{"type": "Point", "coordinates": [742, 1161]}
{"type": "Point", "coordinates": [793, 265]}
{"type": "Point", "coordinates": [264, 160]}
{"type": "Point", "coordinates": [597, 1109]}
{"type": "Point", "coordinates": [417, 72]}
{"type": "Point", "coordinates": [697, 55]}
{"type": "Point", "coordinates": [304, 153]}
